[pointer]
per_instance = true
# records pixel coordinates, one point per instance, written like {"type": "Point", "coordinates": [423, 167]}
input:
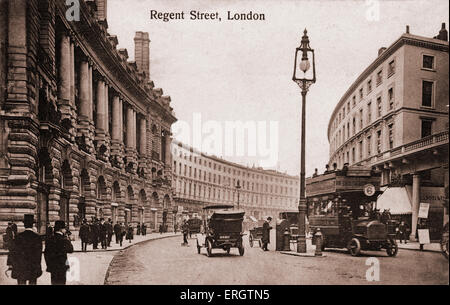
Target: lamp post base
{"type": "Point", "coordinates": [301, 245]}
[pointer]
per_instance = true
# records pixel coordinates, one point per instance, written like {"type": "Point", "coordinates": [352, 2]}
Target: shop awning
{"type": "Point", "coordinates": [396, 199]}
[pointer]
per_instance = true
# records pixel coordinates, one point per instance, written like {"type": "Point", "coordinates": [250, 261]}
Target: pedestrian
{"type": "Point", "coordinates": [8, 238]}
{"type": "Point", "coordinates": [25, 255]}
{"type": "Point", "coordinates": [421, 225]}
{"type": "Point", "coordinates": [266, 233]}
{"type": "Point", "coordinates": [185, 229]}
{"type": "Point", "coordinates": [117, 232]}
{"type": "Point", "coordinates": [56, 249]}
{"type": "Point", "coordinates": [122, 233]}
{"type": "Point", "coordinates": [160, 228]}
{"type": "Point", "coordinates": [103, 233]}
{"type": "Point", "coordinates": [403, 232]}
{"type": "Point", "coordinates": [14, 229]}
{"type": "Point", "coordinates": [130, 233]}
{"type": "Point", "coordinates": [85, 233]}
{"type": "Point", "coordinates": [144, 229]}
{"type": "Point", "coordinates": [95, 233]}
{"type": "Point", "coordinates": [109, 232]}
{"type": "Point", "coordinates": [138, 229]}
{"type": "Point", "coordinates": [48, 231]}
{"type": "Point", "coordinates": [175, 228]}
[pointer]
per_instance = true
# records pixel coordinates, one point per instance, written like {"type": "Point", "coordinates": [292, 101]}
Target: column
{"type": "Point", "coordinates": [116, 119]}
{"type": "Point", "coordinates": [64, 88]}
{"type": "Point", "coordinates": [143, 148]}
{"type": "Point", "coordinates": [100, 119]}
{"type": "Point", "coordinates": [72, 75]}
{"type": "Point", "coordinates": [415, 205]}
{"type": "Point", "coordinates": [105, 111]}
{"type": "Point", "coordinates": [130, 131]}
{"type": "Point", "coordinates": [134, 129]}
{"type": "Point", "coordinates": [91, 95]}
{"type": "Point", "coordinates": [85, 107]}
{"type": "Point", "coordinates": [121, 121]}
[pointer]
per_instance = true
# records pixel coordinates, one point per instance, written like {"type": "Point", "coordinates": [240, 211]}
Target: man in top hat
{"type": "Point", "coordinates": [56, 249]}
{"type": "Point", "coordinates": [103, 233]}
{"type": "Point", "coordinates": [266, 233]}
{"type": "Point", "coordinates": [109, 232]}
{"type": "Point", "coordinates": [25, 254]}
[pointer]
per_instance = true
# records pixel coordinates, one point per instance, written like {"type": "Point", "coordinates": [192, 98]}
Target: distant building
{"type": "Point", "coordinates": [201, 180]}
{"type": "Point", "coordinates": [394, 118]}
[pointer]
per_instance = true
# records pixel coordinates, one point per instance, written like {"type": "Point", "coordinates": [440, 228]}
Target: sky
{"type": "Point", "coordinates": [228, 71]}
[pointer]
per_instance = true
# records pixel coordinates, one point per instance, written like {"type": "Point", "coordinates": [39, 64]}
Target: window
{"type": "Point", "coordinates": [391, 136]}
{"type": "Point", "coordinates": [391, 98]}
{"type": "Point", "coordinates": [369, 85]}
{"type": "Point", "coordinates": [369, 139]}
{"type": "Point", "coordinates": [361, 94]}
{"type": "Point", "coordinates": [378, 141]}
{"type": "Point", "coordinates": [428, 62]}
{"type": "Point", "coordinates": [379, 77]}
{"type": "Point", "coordinates": [354, 101]}
{"type": "Point", "coordinates": [348, 107]}
{"type": "Point", "coordinates": [379, 106]}
{"type": "Point", "coordinates": [361, 118]}
{"type": "Point", "coordinates": [426, 128]}
{"type": "Point", "coordinates": [391, 68]}
{"type": "Point", "coordinates": [369, 113]}
{"type": "Point", "coordinates": [360, 150]}
{"type": "Point", "coordinates": [427, 93]}
{"type": "Point", "coordinates": [348, 129]}
{"type": "Point", "coordinates": [353, 155]}
{"type": "Point", "coordinates": [354, 125]}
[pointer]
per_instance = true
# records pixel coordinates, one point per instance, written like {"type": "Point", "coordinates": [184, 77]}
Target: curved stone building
{"type": "Point", "coordinates": [201, 180]}
{"type": "Point", "coordinates": [394, 118]}
{"type": "Point", "coordinates": [83, 131]}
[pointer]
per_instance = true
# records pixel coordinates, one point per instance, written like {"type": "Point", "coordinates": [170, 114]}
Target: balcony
{"type": "Point", "coordinates": [407, 149]}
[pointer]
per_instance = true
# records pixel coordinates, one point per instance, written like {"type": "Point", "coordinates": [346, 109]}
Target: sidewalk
{"type": "Point", "coordinates": [433, 247]}
{"type": "Point", "coordinates": [93, 264]}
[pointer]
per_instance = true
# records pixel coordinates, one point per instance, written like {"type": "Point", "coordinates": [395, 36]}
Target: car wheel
{"type": "Point", "coordinates": [392, 248]}
{"type": "Point", "coordinates": [354, 247]}
{"type": "Point", "coordinates": [209, 247]}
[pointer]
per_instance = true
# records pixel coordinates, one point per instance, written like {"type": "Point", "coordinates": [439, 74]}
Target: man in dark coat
{"type": "Point", "coordinates": [185, 230]}
{"type": "Point", "coordinates": [403, 232]}
{"type": "Point", "coordinates": [144, 229]}
{"type": "Point", "coordinates": [138, 229]}
{"type": "Point", "coordinates": [266, 233]}
{"type": "Point", "coordinates": [85, 233]}
{"type": "Point", "coordinates": [117, 232]}
{"type": "Point", "coordinates": [95, 232]}
{"type": "Point", "coordinates": [9, 236]}
{"type": "Point", "coordinates": [103, 233]}
{"type": "Point", "coordinates": [130, 233]}
{"type": "Point", "coordinates": [25, 255]}
{"type": "Point", "coordinates": [109, 232]}
{"type": "Point", "coordinates": [122, 232]}
{"type": "Point", "coordinates": [56, 249]}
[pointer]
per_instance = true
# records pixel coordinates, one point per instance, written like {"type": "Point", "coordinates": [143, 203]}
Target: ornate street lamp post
{"type": "Point", "coordinates": [304, 80]}
{"type": "Point", "coordinates": [238, 186]}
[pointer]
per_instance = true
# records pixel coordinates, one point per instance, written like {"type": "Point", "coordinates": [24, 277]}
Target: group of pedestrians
{"type": "Point", "coordinates": [99, 231]}
{"type": "Point", "coordinates": [25, 254]}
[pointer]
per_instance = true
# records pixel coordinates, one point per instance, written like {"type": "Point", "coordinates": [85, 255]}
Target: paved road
{"type": "Point", "coordinates": [167, 262]}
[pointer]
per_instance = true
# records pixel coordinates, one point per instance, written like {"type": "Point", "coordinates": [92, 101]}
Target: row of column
{"type": "Point", "coordinates": [66, 94]}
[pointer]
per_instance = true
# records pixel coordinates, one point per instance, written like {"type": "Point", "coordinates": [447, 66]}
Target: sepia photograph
{"type": "Point", "coordinates": [240, 145]}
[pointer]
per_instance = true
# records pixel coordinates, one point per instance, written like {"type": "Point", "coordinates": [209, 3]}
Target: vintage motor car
{"type": "Point", "coordinates": [343, 229]}
{"type": "Point", "coordinates": [195, 225]}
{"type": "Point", "coordinates": [222, 229]}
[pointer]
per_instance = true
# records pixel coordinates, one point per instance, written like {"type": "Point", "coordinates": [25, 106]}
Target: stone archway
{"type": "Point", "coordinates": [101, 196]}
{"type": "Point", "coordinates": [115, 202]}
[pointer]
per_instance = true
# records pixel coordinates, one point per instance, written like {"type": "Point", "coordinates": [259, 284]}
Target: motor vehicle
{"type": "Point", "coordinates": [444, 241]}
{"type": "Point", "coordinates": [341, 228]}
{"type": "Point", "coordinates": [195, 225]}
{"type": "Point", "coordinates": [222, 229]}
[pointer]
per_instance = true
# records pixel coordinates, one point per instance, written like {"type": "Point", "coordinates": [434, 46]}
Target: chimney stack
{"type": "Point", "coordinates": [443, 35]}
{"type": "Point", "coordinates": [407, 29]}
{"type": "Point", "coordinates": [142, 52]}
{"type": "Point", "coordinates": [101, 9]}
{"type": "Point", "coordinates": [381, 50]}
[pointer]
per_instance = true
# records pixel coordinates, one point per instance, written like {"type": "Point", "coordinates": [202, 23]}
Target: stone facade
{"type": "Point", "coordinates": [201, 180]}
{"type": "Point", "coordinates": [83, 131]}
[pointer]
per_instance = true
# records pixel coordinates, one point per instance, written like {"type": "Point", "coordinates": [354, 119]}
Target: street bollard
{"type": "Point", "coordinates": [319, 240]}
{"type": "Point", "coordinates": [287, 240]}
